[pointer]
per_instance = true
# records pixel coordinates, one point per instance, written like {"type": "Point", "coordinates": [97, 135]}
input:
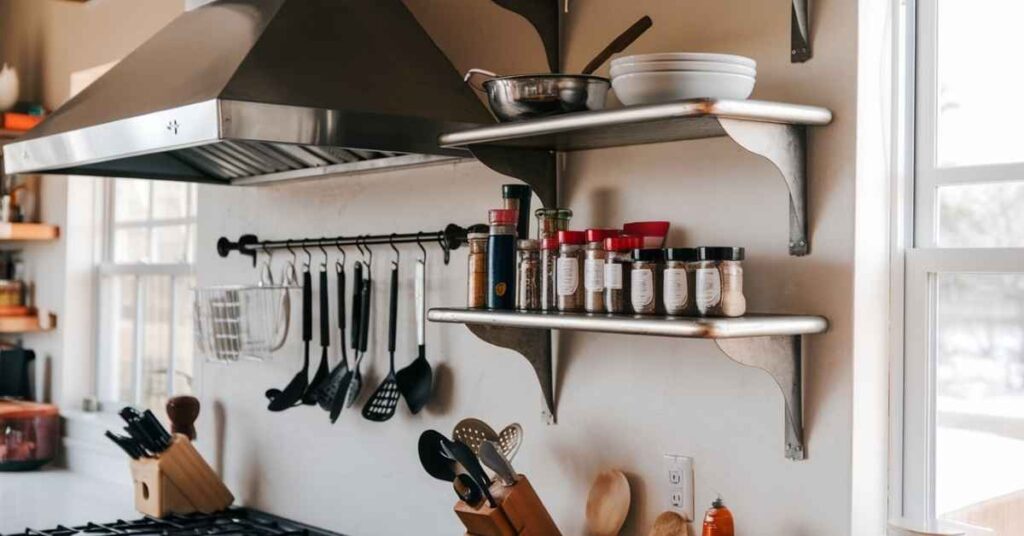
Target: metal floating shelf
{"type": "Point", "coordinates": [772, 343]}
{"type": "Point", "coordinates": [775, 131]}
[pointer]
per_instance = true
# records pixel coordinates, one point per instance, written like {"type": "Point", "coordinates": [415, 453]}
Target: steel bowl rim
{"type": "Point", "coordinates": [519, 77]}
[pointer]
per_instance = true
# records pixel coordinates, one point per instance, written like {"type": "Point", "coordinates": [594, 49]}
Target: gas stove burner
{"type": "Point", "coordinates": [235, 522]}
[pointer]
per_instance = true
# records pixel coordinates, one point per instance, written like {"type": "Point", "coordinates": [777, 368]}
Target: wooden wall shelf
{"type": "Point", "coordinates": [28, 324]}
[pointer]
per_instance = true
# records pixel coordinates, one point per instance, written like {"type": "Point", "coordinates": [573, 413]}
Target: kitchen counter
{"type": "Point", "coordinates": [51, 497]}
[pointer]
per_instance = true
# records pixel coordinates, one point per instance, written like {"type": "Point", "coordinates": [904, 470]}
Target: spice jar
{"type": "Point", "coordinates": [719, 282]}
{"type": "Point", "coordinates": [645, 282]}
{"type": "Point", "coordinates": [501, 259]}
{"type": "Point", "coordinates": [593, 269]}
{"type": "Point", "coordinates": [568, 269]}
{"type": "Point", "coordinates": [552, 220]}
{"type": "Point", "coordinates": [678, 282]}
{"type": "Point", "coordinates": [476, 296]}
{"type": "Point", "coordinates": [528, 276]}
{"type": "Point", "coordinates": [616, 272]}
{"type": "Point", "coordinates": [517, 197]}
{"type": "Point", "coordinates": [548, 284]}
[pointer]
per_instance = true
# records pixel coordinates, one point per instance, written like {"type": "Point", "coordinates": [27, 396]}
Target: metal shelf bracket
{"type": "Point", "coordinates": [781, 358]}
{"type": "Point", "coordinates": [535, 346]}
{"type": "Point", "coordinates": [536, 167]}
{"type": "Point", "coordinates": [783, 146]}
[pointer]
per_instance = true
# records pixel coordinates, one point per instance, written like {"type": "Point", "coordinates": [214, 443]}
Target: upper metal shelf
{"type": "Point", "coordinates": [634, 125]}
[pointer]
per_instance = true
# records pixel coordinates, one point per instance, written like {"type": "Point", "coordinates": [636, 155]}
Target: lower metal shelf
{"type": "Point", "coordinates": [772, 343]}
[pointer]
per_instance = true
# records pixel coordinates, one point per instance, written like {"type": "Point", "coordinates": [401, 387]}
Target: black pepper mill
{"type": "Point", "coordinates": [183, 412]}
{"type": "Point", "coordinates": [517, 197]}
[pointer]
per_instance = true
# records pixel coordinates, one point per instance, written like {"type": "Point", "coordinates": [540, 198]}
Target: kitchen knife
{"type": "Point", "coordinates": [127, 444]}
{"type": "Point", "coordinates": [491, 456]}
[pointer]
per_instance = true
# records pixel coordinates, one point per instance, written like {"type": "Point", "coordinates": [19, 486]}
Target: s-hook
{"type": "Point", "coordinates": [444, 247]}
{"type": "Point", "coordinates": [398, 256]}
{"type": "Point", "coordinates": [423, 250]}
{"type": "Point", "coordinates": [339, 265]}
{"type": "Point", "coordinates": [309, 258]}
{"type": "Point", "coordinates": [323, 265]}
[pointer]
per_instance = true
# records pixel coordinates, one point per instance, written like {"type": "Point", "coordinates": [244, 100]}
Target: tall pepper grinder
{"type": "Point", "coordinates": [183, 412]}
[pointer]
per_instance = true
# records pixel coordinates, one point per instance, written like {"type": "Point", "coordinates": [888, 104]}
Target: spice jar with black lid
{"type": "Point", "coordinates": [476, 296]}
{"type": "Point", "coordinates": [618, 256]}
{"type": "Point", "coordinates": [528, 276]}
{"type": "Point", "coordinates": [719, 282]}
{"type": "Point", "coordinates": [593, 269]}
{"type": "Point", "coordinates": [501, 259]}
{"type": "Point", "coordinates": [548, 284]}
{"type": "Point", "coordinates": [678, 281]}
{"type": "Point", "coordinates": [552, 220]}
{"type": "Point", "coordinates": [568, 270]}
{"type": "Point", "coordinates": [645, 282]}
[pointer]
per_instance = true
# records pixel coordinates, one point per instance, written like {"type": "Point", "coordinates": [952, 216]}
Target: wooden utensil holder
{"type": "Point", "coordinates": [520, 512]}
{"type": "Point", "coordinates": [178, 481]}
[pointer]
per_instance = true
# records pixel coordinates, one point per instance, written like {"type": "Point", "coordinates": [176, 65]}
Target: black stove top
{"type": "Point", "coordinates": [235, 522]}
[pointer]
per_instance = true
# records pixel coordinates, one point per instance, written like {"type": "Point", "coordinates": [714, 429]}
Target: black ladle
{"type": "Point", "coordinates": [324, 368]}
{"type": "Point", "coordinates": [293, 392]}
{"type": "Point", "coordinates": [416, 380]}
{"type": "Point", "coordinates": [440, 466]}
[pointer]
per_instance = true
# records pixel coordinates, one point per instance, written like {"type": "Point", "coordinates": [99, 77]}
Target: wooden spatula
{"type": "Point", "coordinates": [607, 503]}
{"type": "Point", "coordinates": [668, 524]}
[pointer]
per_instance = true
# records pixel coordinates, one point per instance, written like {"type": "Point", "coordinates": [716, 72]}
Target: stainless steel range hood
{"type": "Point", "coordinates": [243, 91]}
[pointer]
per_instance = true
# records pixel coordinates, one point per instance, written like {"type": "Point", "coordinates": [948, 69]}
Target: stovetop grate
{"type": "Point", "coordinates": [235, 522]}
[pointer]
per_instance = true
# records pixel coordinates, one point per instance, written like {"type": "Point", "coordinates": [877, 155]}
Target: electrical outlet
{"type": "Point", "coordinates": [679, 484]}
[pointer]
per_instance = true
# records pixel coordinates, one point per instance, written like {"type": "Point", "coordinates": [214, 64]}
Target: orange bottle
{"type": "Point", "coordinates": [718, 520]}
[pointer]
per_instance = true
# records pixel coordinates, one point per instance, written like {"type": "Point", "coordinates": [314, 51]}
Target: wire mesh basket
{"type": "Point", "coordinates": [241, 322]}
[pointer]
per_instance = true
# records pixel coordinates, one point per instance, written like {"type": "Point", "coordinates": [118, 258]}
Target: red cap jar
{"type": "Point", "coordinates": [572, 238]}
{"type": "Point", "coordinates": [600, 235]}
{"type": "Point", "coordinates": [502, 216]}
{"type": "Point", "coordinates": [549, 244]}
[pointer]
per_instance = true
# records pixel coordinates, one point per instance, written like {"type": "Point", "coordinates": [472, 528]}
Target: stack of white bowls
{"type": "Point", "coordinates": [671, 76]}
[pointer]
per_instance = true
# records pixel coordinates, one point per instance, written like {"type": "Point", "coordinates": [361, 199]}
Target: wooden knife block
{"type": "Point", "coordinates": [520, 512]}
{"type": "Point", "coordinates": [178, 481]}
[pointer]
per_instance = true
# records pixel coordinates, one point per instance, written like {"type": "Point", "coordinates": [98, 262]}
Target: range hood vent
{"type": "Point", "coordinates": [244, 91]}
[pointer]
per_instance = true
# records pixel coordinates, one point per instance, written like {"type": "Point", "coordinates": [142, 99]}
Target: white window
{"type": "Point", "coordinates": [144, 283]}
{"type": "Point", "coordinates": [963, 375]}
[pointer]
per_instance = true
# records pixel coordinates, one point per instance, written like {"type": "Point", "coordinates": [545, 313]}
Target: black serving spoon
{"type": "Point", "coordinates": [293, 392]}
{"type": "Point", "coordinates": [322, 370]}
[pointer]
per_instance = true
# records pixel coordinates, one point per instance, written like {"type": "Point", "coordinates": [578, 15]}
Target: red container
{"type": "Point", "coordinates": [29, 433]}
{"type": "Point", "coordinates": [654, 232]}
{"type": "Point", "coordinates": [599, 235]}
{"type": "Point", "coordinates": [549, 243]}
{"type": "Point", "coordinates": [572, 237]}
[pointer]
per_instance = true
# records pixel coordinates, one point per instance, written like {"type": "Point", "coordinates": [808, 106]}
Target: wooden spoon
{"type": "Point", "coordinates": [607, 503]}
{"type": "Point", "coordinates": [668, 524]}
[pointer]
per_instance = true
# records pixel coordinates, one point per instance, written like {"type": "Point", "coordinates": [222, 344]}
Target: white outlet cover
{"type": "Point", "coordinates": [678, 482]}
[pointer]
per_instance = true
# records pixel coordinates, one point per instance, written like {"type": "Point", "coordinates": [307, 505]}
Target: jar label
{"type": "Point", "coordinates": [676, 296]}
{"type": "Point", "coordinates": [641, 289]}
{"type": "Point", "coordinates": [593, 275]}
{"type": "Point", "coordinates": [733, 302]}
{"type": "Point", "coordinates": [567, 271]}
{"type": "Point", "coordinates": [613, 276]}
{"type": "Point", "coordinates": [709, 289]}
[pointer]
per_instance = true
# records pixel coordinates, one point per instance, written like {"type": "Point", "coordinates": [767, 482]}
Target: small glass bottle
{"type": "Point", "coordinates": [645, 282]}
{"type": "Point", "coordinates": [568, 271]}
{"type": "Point", "coordinates": [476, 296]}
{"type": "Point", "coordinates": [616, 273]}
{"type": "Point", "coordinates": [552, 220]}
{"type": "Point", "coordinates": [593, 269]}
{"type": "Point", "coordinates": [548, 283]}
{"type": "Point", "coordinates": [678, 281]}
{"type": "Point", "coordinates": [528, 276]}
{"type": "Point", "coordinates": [719, 282]}
{"type": "Point", "coordinates": [501, 259]}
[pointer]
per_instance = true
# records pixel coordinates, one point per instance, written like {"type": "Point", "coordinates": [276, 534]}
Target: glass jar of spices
{"type": "Point", "coordinates": [645, 282]}
{"type": "Point", "coordinates": [568, 270]}
{"type": "Point", "coordinates": [552, 220]}
{"type": "Point", "coordinates": [528, 276]}
{"type": "Point", "coordinates": [593, 269]}
{"type": "Point", "coordinates": [548, 283]}
{"type": "Point", "coordinates": [616, 272]}
{"type": "Point", "coordinates": [678, 281]}
{"type": "Point", "coordinates": [719, 282]}
{"type": "Point", "coordinates": [476, 295]}
{"type": "Point", "coordinates": [501, 259]}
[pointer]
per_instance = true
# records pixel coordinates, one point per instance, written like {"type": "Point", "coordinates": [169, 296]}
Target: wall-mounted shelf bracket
{"type": "Point", "coordinates": [800, 32]}
{"type": "Point", "coordinates": [535, 346]}
{"type": "Point", "coordinates": [781, 358]}
{"type": "Point", "coordinates": [536, 167]}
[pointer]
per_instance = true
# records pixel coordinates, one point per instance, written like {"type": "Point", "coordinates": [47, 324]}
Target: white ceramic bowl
{"type": "Point", "coordinates": [686, 56]}
{"type": "Point", "coordinates": [658, 87]}
{"type": "Point", "coordinates": [711, 66]}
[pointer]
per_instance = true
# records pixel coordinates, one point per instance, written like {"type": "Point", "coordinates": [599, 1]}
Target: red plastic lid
{"type": "Point", "coordinates": [646, 228]}
{"type": "Point", "coordinates": [549, 243]}
{"type": "Point", "coordinates": [599, 235]}
{"type": "Point", "coordinates": [572, 237]}
{"type": "Point", "coordinates": [623, 243]}
{"type": "Point", "coordinates": [503, 216]}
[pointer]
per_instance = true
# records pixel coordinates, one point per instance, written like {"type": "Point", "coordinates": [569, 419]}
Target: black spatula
{"type": "Point", "coordinates": [381, 406]}
{"type": "Point", "coordinates": [416, 381]}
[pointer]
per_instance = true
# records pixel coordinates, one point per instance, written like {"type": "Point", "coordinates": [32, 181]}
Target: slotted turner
{"type": "Point", "coordinates": [473, 432]}
{"type": "Point", "coordinates": [381, 405]}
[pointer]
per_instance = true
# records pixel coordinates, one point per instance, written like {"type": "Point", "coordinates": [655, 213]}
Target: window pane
{"type": "Point", "coordinates": [981, 215]}
{"type": "Point", "coordinates": [156, 345]}
{"type": "Point", "coordinates": [124, 336]}
{"type": "Point", "coordinates": [978, 95]}
{"type": "Point", "coordinates": [170, 244]}
{"type": "Point", "coordinates": [183, 335]}
{"type": "Point", "coordinates": [170, 200]}
{"type": "Point", "coordinates": [131, 245]}
{"type": "Point", "coordinates": [131, 200]}
{"type": "Point", "coordinates": [980, 400]}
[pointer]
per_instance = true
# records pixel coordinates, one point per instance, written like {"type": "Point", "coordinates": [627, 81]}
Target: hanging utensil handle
{"type": "Point", "coordinates": [393, 312]}
{"type": "Point", "coordinates": [307, 306]}
{"type": "Point", "coordinates": [341, 310]}
{"type": "Point", "coordinates": [357, 300]}
{"type": "Point", "coordinates": [421, 303]}
{"type": "Point", "coordinates": [325, 314]}
{"type": "Point", "coordinates": [619, 44]}
{"type": "Point", "coordinates": [471, 75]}
{"type": "Point", "coordinates": [364, 322]}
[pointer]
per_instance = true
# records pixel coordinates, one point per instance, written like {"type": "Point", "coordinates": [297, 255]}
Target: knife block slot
{"type": "Point", "coordinates": [178, 481]}
{"type": "Point", "coordinates": [520, 512]}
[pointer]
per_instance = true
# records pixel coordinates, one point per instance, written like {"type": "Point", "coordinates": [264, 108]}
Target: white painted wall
{"type": "Point", "coordinates": [624, 401]}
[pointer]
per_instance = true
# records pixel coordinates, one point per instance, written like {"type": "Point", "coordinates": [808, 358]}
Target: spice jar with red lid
{"type": "Point", "coordinates": [593, 269]}
{"type": "Point", "coordinates": [568, 270]}
{"type": "Point", "coordinates": [548, 284]}
{"type": "Point", "coordinates": [618, 256]}
{"type": "Point", "coordinates": [501, 259]}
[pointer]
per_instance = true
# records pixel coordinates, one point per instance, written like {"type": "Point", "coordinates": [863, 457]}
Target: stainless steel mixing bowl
{"type": "Point", "coordinates": [514, 98]}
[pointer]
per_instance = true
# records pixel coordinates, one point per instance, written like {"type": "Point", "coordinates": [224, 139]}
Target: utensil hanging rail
{"type": "Point", "coordinates": [451, 237]}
